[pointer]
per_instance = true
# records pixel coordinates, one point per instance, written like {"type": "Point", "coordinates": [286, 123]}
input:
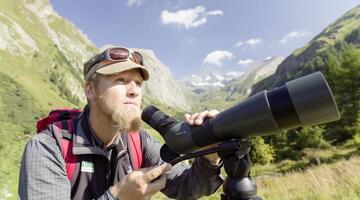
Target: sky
{"type": "Point", "coordinates": [189, 36]}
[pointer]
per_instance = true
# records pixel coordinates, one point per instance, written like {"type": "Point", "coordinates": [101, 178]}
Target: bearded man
{"type": "Point", "coordinates": [104, 165]}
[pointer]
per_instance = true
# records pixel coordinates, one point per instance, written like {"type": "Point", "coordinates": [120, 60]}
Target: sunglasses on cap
{"type": "Point", "coordinates": [116, 54]}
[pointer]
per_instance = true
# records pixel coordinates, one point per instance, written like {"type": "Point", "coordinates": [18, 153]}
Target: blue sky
{"type": "Point", "coordinates": [189, 36]}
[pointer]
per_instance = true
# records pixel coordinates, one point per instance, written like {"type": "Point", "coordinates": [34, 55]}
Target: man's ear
{"type": "Point", "coordinates": [90, 90]}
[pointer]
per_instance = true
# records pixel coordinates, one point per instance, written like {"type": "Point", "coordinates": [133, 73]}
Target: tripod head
{"type": "Point", "coordinates": [234, 153]}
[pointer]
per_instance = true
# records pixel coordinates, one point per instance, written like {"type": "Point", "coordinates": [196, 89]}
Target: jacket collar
{"type": "Point", "coordinates": [84, 141]}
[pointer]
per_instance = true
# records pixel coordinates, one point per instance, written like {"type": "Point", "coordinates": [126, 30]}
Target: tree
{"type": "Point", "coordinates": [260, 152]}
{"type": "Point", "coordinates": [343, 74]}
{"type": "Point", "coordinates": [310, 137]}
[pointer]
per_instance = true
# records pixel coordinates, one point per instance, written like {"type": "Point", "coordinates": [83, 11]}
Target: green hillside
{"type": "Point", "coordinates": [335, 52]}
{"type": "Point", "coordinates": [310, 57]}
{"type": "Point", "coordinates": [37, 72]}
{"type": "Point", "coordinates": [41, 58]}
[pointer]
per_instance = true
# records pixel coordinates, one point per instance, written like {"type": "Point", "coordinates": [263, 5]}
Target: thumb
{"type": "Point", "coordinates": [154, 172]}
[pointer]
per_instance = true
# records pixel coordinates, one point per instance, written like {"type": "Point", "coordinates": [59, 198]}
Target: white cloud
{"type": "Point", "coordinates": [245, 62]}
{"type": "Point", "coordinates": [239, 44]}
{"type": "Point", "coordinates": [253, 41]}
{"type": "Point", "coordinates": [293, 35]}
{"type": "Point", "coordinates": [250, 42]}
{"type": "Point", "coordinates": [215, 12]}
{"type": "Point", "coordinates": [189, 18]}
{"type": "Point", "coordinates": [217, 57]}
{"type": "Point", "coordinates": [132, 3]}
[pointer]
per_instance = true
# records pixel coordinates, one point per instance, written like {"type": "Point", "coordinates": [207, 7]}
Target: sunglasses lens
{"type": "Point", "coordinates": [118, 53]}
{"type": "Point", "coordinates": [138, 57]}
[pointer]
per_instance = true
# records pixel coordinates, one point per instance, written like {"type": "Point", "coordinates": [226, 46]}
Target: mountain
{"type": "Point", "coordinates": [209, 78]}
{"type": "Point", "coordinates": [32, 33]}
{"type": "Point", "coordinates": [310, 58]}
{"type": "Point", "coordinates": [255, 73]}
{"type": "Point", "coordinates": [162, 87]}
{"type": "Point", "coordinates": [215, 89]}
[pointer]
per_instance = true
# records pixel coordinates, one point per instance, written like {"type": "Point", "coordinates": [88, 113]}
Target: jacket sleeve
{"type": "Point", "coordinates": [42, 172]}
{"type": "Point", "coordinates": [183, 182]}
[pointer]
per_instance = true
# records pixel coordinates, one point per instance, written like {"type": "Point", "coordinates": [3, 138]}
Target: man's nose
{"type": "Point", "coordinates": [133, 89]}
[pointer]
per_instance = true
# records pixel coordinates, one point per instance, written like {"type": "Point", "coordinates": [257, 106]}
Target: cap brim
{"type": "Point", "coordinates": [123, 66]}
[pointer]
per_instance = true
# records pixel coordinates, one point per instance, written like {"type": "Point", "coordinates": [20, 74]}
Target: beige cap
{"type": "Point", "coordinates": [111, 67]}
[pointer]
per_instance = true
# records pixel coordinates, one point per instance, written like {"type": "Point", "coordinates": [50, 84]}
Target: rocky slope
{"type": "Point", "coordinates": [162, 86]}
{"type": "Point", "coordinates": [33, 33]}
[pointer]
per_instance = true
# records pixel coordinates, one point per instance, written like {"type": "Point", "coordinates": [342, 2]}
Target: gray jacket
{"type": "Point", "coordinates": [43, 174]}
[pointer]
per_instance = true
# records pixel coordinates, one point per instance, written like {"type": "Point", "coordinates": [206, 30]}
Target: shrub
{"type": "Point", "coordinates": [260, 152]}
{"type": "Point", "coordinates": [311, 137]}
{"type": "Point", "coordinates": [357, 138]}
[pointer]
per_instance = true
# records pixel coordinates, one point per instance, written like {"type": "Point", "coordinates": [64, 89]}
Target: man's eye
{"type": "Point", "coordinates": [121, 80]}
{"type": "Point", "coordinates": [138, 83]}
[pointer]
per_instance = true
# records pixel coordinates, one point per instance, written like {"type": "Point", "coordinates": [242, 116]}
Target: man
{"type": "Point", "coordinates": [113, 81]}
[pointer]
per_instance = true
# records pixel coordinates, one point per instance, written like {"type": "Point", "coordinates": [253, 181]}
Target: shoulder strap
{"type": "Point", "coordinates": [135, 148]}
{"type": "Point", "coordinates": [56, 115]}
{"type": "Point", "coordinates": [66, 147]}
{"type": "Point", "coordinates": [64, 140]}
{"type": "Point", "coordinates": [69, 158]}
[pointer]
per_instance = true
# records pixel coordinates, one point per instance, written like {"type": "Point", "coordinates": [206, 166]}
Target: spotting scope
{"type": "Point", "coordinates": [305, 101]}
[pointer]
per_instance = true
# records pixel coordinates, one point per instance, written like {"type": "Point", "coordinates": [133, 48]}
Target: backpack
{"type": "Point", "coordinates": [65, 118]}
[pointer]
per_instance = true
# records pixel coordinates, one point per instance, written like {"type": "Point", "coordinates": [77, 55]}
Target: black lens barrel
{"type": "Point", "coordinates": [282, 108]}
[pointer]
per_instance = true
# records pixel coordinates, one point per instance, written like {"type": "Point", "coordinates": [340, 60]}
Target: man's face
{"type": "Point", "coordinates": [118, 97]}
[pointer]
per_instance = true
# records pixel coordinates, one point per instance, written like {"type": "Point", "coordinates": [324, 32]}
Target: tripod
{"type": "Point", "coordinates": [238, 184]}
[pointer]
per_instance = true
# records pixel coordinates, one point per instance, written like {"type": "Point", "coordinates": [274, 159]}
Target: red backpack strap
{"type": "Point", "coordinates": [56, 116]}
{"type": "Point", "coordinates": [63, 135]}
{"type": "Point", "coordinates": [65, 120]}
{"type": "Point", "coordinates": [69, 158]}
{"type": "Point", "coordinates": [135, 149]}
{"type": "Point", "coordinates": [66, 148]}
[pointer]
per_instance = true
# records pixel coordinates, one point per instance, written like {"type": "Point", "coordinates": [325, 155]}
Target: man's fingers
{"type": "Point", "coordinates": [187, 117]}
{"type": "Point", "coordinates": [157, 185]}
{"type": "Point", "coordinates": [155, 172]}
{"type": "Point", "coordinates": [200, 118]}
{"type": "Point", "coordinates": [212, 113]}
{"type": "Point", "coordinates": [192, 118]}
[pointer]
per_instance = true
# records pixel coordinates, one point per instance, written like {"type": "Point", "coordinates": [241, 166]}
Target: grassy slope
{"type": "Point", "coordinates": [26, 91]}
{"type": "Point", "coordinates": [337, 30]}
{"type": "Point", "coordinates": [337, 181]}
{"type": "Point", "coordinates": [17, 115]}
{"type": "Point", "coordinates": [336, 178]}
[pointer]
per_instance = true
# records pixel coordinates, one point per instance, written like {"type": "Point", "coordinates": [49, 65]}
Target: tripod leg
{"type": "Point", "coordinates": [239, 184]}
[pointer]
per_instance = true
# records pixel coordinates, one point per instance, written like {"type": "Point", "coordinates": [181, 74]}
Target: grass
{"type": "Point", "coordinates": [337, 178]}
{"type": "Point", "coordinates": [12, 143]}
{"type": "Point", "coordinates": [336, 181]}
{"type": "Point", "coordinates": [18, 113]}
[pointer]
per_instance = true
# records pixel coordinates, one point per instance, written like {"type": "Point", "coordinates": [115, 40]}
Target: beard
{"type": "Point", "coordinates": [126, 119]}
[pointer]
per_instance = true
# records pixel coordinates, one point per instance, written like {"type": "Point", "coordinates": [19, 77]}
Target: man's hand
{"type": "Point", "coordinates": [198, 119]}
{"type": "Point", "coordinates": [141, 184]}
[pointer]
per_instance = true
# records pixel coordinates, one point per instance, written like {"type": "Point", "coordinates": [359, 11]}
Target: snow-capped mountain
{"type": "Point", "coordinates": [209, 78]}
{"type": "Point", "coordinates": [231, 86]}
